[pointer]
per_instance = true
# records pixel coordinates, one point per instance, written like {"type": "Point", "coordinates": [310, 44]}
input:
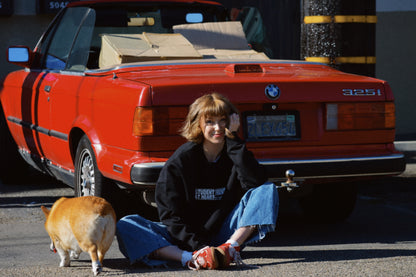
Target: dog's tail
{"type": "Point", "coordinates": [45, 210]}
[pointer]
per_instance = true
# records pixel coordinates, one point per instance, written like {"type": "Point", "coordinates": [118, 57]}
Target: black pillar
{"type": "Point", "coordinates": [340, 33]}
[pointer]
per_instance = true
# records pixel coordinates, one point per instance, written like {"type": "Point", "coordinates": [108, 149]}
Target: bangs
{"type": "Point", "coordinates": [208, 105]}
{"type": "Point", "coordinates": [215, 107]}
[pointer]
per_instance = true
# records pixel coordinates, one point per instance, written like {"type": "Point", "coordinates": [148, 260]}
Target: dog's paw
{"type": "Point", "coordinates": [65, 263]}
{"type": "Point", "coordinates": [74, 255]}
{"type": "Point", "coordinates": [96, 268]}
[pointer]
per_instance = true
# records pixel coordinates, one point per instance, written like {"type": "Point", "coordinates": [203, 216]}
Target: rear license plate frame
{"type": "Point", "coordinates": [272, 126]}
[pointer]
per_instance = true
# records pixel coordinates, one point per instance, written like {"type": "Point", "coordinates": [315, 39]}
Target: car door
{"type": "Point", "coordinates": [64, 54]}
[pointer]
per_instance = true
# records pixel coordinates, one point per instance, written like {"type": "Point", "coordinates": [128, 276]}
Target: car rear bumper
{"type": "Point", "coordinates": [384, 165]}
{"type": "Point", "coordinates": [146, 174]}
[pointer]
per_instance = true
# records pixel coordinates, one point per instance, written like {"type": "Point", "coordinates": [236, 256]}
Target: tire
{"type": "Point", "coordinates": [88, 179]}
{"type": "Point", "coordinates": [329, 203]}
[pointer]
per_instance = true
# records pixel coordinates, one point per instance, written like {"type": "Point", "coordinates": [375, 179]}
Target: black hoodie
{"type": "Point", "coordinates": [195, 196]}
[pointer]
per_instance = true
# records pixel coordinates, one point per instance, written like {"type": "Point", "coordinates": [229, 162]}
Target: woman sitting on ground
{"type": "Point", "coordinates": [211, 196]}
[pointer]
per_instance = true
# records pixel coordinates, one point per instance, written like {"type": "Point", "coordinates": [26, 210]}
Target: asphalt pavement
{"type": "Point", "coordinates": [379, 238]}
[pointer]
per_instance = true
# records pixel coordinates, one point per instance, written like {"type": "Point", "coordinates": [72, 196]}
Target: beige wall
{"type": "Point", "coordinates": [396, 61]}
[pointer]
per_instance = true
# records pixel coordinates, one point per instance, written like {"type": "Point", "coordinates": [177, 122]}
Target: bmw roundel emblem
{"type": "Point", "coordinates": [272, 92]}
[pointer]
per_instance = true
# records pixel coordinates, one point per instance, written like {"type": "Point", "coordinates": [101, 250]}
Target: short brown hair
{"type": "Point", "coordinates": [213, 104]}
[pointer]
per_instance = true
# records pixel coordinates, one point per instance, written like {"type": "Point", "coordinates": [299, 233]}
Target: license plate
{"type": "Point", "coordinates": [272, 126]}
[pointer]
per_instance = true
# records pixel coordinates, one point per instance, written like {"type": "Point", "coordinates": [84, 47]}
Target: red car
{"type": "Point", "coordinates": [100, 100]}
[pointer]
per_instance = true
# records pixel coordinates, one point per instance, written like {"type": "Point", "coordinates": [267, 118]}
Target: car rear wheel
{"type": "Point", "coordinates": [88, 179]}
{"type": "Point", "coordinates": [329, 203]}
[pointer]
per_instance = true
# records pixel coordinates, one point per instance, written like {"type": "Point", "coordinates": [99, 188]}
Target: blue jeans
{"type": "Point", "coordinates": [138, 237]}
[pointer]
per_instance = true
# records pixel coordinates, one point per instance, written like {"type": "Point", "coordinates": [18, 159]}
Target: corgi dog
{"type": "Point", "coordinates": [80, 224]}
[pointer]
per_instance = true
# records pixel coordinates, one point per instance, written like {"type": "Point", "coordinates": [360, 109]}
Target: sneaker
{"type": "Point", "coordinates": [205, 258]}
{"type": "Point", "coordinates": [231, 254]}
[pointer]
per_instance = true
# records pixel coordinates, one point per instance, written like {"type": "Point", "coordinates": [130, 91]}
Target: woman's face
{"type": "Point", "coordinates": [213, 128]}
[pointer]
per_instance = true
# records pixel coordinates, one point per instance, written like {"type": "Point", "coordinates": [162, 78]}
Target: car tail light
{"type": "Point", "coordinates": [158, 121]}
{"type": "Point", "coordinates": [360, 116]}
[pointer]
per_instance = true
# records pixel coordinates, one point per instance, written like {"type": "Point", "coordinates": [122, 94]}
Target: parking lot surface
{"type": "Point", "coordinates": [379, 239]}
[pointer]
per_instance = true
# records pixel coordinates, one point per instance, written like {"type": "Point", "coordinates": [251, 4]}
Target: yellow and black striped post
{"type": "Point", "coordinates": [340, 33]}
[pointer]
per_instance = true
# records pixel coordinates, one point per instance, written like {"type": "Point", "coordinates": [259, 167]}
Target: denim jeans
{"type": "Point", "coordinates": [138, 237]}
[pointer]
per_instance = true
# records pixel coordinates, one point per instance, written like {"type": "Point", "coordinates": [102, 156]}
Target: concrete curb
{"type": "Point", "coordinates": [405, 146]}
{"type": "Point", "coordinates": [409, 150]}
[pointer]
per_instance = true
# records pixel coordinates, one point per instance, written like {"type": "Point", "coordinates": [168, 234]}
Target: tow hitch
{"type": "Point", "coordinates": [289, 184]}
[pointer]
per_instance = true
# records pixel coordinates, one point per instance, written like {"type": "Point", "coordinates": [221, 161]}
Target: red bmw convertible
{"type": "Point", "coordinates": [101, 97]}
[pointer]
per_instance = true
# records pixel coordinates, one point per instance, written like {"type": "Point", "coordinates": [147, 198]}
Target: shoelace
{"type": "Point", "coordinates": [193, 263]}
{"type": "Point", "coordinates": [235, 255]}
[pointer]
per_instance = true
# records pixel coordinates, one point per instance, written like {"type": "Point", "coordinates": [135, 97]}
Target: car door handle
{"type": "Point", "coordinates": [47, 88]}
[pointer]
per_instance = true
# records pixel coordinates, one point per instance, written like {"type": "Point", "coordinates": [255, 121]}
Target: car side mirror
{"type": "Point", "coordinates": [194, 18]}
{"type": "Point", "coordinates": [19, 55]}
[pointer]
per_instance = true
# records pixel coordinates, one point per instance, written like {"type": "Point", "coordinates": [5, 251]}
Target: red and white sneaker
{"type": "Point", "coordinates": [205, 258]}
{"type": "Point", "coordinates": [232, 254]}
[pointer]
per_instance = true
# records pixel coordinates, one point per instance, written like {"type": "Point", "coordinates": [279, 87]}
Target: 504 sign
{"type": "Point", "coordinates": [57, 5]}
{"type": "Point", "coordinates": [52, 6]}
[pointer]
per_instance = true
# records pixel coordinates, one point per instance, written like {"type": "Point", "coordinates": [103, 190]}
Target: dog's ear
{"type": "Point", "coordinates": [45, 210]}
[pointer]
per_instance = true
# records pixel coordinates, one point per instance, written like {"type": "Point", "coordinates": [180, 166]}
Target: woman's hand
{"type": "Point", "coordinates": [234, 122]}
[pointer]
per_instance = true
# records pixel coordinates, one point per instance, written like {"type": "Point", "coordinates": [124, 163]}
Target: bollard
{"type": "Point", "coordinates": [340, 33]}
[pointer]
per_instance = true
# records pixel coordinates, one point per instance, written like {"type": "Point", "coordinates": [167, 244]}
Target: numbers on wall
{"type": "Point", "coordinates": [57, 5]}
